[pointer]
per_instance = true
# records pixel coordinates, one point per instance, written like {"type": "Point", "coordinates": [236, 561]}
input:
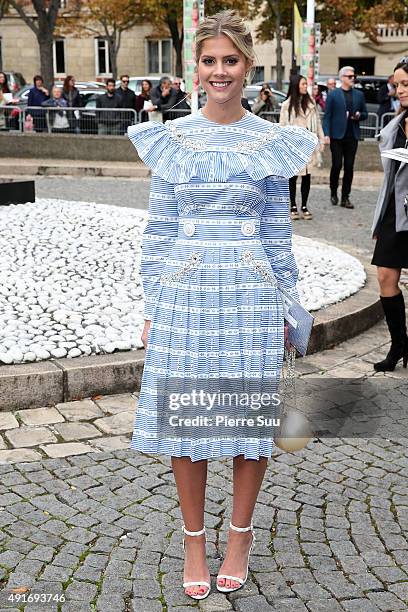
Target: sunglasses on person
{"type": "Point", "coordinates": [125, 80]}
{"type": "Point", "coordinates": [350, 76]}
{"type": "Point", "coordinates": [403, 60]}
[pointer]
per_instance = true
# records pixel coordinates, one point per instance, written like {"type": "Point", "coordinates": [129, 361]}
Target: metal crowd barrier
{"type": "Point", "coordinates": [385, 118]}
{"type": "Point", "coordinates": [102, 121]}
{"type": "Point", "coordinates": [369, 127]}
{"type": "Point", "coordinates": [10, 118]}
{"type": "Point", "coordinates": [114, 122]}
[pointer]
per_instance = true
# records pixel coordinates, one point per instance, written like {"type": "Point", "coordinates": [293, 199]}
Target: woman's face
{"type": "Point", "coordinates": [303, 87]}
{"type": "Point", "coordinates": [72, 83]}
{"type": "Point", "coordinates": [56, 92]}
{"type": "Point", "coordinates": [222, 69]}
{"type": "Point", "coordinates": [145, 86]}
{"type": "Point", "coordinates": [401, 85]}
{"type": "Point", "coordinates": [2, 78]}
{"type": "Point", "coordinates": [315, 91]}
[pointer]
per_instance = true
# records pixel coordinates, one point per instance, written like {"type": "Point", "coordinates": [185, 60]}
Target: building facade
{"type": "Point", "coordinates": [142, 53]}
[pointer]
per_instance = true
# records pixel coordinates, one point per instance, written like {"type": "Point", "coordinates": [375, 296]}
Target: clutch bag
{"type": "Point", "coordinates": [299, 320]}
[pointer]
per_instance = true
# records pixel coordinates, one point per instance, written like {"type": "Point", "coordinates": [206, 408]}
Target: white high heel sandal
{"type": "Point", "coordinates": [196, 582]}
{"type": "Point", "coordinates": [241, 581]}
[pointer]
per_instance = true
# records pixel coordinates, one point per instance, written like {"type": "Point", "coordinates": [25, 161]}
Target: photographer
{"type": "Point", "coordinates": [265, 103]}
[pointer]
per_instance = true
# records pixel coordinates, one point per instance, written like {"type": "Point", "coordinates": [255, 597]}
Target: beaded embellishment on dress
{"type": "Point", "coordinates": [193, 260]}
{"type": "Point", "coordinates": [248, 258]}
{"type": "Point", "coordinates": [245, 146]}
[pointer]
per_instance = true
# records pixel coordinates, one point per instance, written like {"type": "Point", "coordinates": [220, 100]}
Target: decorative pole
{"type": "Point", "coordinates": [193, 13]}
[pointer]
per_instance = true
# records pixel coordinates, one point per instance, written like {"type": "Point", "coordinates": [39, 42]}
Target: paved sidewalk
{"type": "Point", "coordinates": [100, 530]}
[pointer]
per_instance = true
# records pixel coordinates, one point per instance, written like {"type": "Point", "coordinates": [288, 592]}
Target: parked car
{"type": "Point", "coordinates": [88, 123]}
{"type": "Point", "coordinates": [15, 80]}
{"type": "Point", "coordinates": [370, 86]}
{"type": "Point", "coordinates": [252, 92]}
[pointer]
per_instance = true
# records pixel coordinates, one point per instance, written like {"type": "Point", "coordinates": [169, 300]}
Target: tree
{"type": "Point", "coordinates": [169, 14]}
{"type": "Point", "coordinates": [107, 17]}
{"type": "Point", "coordinates": [335, 16]}
{"type": "Point", "coordinates": [276, 24]}
{"type": "Point", "coordinates": [43, 24]}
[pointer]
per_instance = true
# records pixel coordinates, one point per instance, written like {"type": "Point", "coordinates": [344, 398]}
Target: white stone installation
{"type": "Point", "coordinates": [70, 284]}
{"type": "Point", "coordinates": [326, 274]}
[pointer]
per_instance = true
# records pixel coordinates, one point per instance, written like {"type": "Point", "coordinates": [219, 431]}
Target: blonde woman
{"type": "Point", "coordinates": [301, 110]}
{"type": "Point", "coordinates": [217, 241]}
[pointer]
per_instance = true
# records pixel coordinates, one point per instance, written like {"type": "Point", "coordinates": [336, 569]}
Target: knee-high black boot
{"type": "Point", "coordinates": [394, 310]}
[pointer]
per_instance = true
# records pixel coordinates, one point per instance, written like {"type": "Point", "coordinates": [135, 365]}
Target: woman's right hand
{"type": "Point", "coordinates": [145, 333]}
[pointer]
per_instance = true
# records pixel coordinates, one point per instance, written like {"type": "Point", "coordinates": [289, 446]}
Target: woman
{"type": "Point", "coordinates": [390, 227]}
{"type": "Point", "coordinates": [299, 109]}
{"type": "Point", "coordinates": [143, 97]}
{"type": "Point", "coordinates": [4, 88]}
{"type": "Point", "coordinates": [318, 97]}
{"type": "Point", "coordinates": [57, 119]}
{"type": "Point", "coordinates": [265, 103]}
{"type": "Point", "coordinates": [73, 98]}
{"type": "Point", "coordinates": [217, 240]}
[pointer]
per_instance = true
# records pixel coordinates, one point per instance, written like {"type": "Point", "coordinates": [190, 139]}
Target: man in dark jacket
{"type": "Point", "coordinates": [345, 108]}
{"type": "Point", "coordinates": [387, 99]}
{"type": "Point", "coordinates": [109, 122]}
{"type": "Point", "coordinates": [36, 96]}
{"type": "Point", "coordinates": [128, 98]}
{"type": "Point", "coordinates": [163, 97]}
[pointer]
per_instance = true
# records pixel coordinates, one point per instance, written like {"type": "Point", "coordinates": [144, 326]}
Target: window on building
{"type": "Point", "coordinates": [59, 56]}
{"type": "Point", "coordinates": [259, 74]}
{"type": "Point", "coordinates": [274, 73]}
{"type": "Point", "coordinates": [103, 64]}
{"type": "Point", "coordinates": [159, 55]}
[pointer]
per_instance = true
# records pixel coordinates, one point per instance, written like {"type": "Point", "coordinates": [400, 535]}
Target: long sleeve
{"type": "Point", "coordinates": [158, 237]}
{"type": "Point", "coordinates": [284, 115]}
{"type": "Point", "coordinates": [276, 234]}
{"type": "Point", "coordinates": [328, 115]}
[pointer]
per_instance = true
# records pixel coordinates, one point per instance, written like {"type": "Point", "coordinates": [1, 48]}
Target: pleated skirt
{"type": "Point", "coordinates": [218, 315]}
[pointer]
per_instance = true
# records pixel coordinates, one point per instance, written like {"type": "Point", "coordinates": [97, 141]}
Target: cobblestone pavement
{"type": "Point", "coordinates": [100, 529]}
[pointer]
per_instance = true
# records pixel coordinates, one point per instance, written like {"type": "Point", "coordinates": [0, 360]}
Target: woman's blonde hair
{"type": "Point", "coordinates": [231, 24]}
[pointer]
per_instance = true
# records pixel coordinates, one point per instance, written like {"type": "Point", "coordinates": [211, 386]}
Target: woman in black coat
{"type": "Point", "coordinates": [73, 98]}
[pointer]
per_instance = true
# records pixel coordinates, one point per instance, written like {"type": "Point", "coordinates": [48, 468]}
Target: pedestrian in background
{"type": "Point", "coordinates": [345, 108]}
{"type": "Point", "coordinates": [265, 103]}
{"type": "Point", "coordinates": [390, 227]}
{"type": "Point", "coordinates": [57, 119]}
{"type": "Point", "coordinates": [144, 96]}
{"type": "Point", "coordinates": [109, 121]}
{"type": "Point", "coordinates": [73, 99]}
{"type": "Point", "coordinates": [36, 96]}
{"type": "Point", "coordinates": [162, 97]}
{"type": "Point", "coordinates": [387, 99]}
{"type": "Point", "coordinates": [318, 97]}
{"type": "Point", "coordinates": [331, 86]}
{"type": "Point", "coordinates": [128, 98]}
{"type": "Point", "coordinates": [180, 100]}
{"type": "Point", "coordinates": [4, 88]}
{"type": "Point", "coordinates": [301, 110]}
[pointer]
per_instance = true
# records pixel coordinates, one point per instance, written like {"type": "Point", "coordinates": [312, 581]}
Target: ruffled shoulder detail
{"type": "Point", "coordinates": [177, 157]}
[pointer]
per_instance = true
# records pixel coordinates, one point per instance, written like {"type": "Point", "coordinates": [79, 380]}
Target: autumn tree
{"type": "Point", "coordinates": [41, 17]}
{"type": "Point", "coordinates": [335, 17]}
{"type": "Point", "coordinates": [169, 15]}
{"type": "Point", "coordinates": [109, 18]}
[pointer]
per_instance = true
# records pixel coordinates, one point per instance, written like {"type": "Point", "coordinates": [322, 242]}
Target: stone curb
{"type": "Point", "coordinates": [135, 169]}
{"type": "Point", "coordinates": [47, 383]}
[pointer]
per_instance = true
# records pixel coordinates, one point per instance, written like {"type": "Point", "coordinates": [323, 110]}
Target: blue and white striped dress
{"type": "Point", "coordinates": [218, 237]}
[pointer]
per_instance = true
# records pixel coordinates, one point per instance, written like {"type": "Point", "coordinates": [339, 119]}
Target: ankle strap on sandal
{"type": "Point", "coordinates": [193, 533]}
{"type": "Point", "coordinates": [241, 528]}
